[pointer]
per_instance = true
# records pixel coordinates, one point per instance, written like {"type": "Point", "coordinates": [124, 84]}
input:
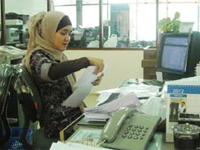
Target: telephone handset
{"type": "Point", "coordinates": [112, 127]}
{"type": "Point", "coordinates": [128, 131]}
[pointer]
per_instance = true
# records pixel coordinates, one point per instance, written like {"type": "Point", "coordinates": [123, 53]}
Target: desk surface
{"type": "Point", "coordinates": [84, 133]}
{"type": "Point", "coordinates": [159, 138]}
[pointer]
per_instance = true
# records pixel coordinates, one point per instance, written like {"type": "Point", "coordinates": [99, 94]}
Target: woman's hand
{"type": "Point", "coordinates": [98, 63]}
{"type": "Point", "coordinates": [97, 81]}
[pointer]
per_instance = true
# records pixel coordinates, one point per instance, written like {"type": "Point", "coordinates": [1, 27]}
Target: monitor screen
{"type": "Point", "coordinates": [178, 54]}
{"type": "Point", "coordinates": [174, 55]}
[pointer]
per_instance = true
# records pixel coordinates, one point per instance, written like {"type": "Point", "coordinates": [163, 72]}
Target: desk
{"type": "Point", "coordinates": [158, 143]}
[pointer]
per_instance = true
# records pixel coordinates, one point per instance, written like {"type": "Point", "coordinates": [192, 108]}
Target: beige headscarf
{"type": "Point", "coordinates": [42, 28]}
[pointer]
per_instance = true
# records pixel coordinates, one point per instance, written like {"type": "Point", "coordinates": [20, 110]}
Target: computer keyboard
{"type": "Point", "coordinates": [153, 82]}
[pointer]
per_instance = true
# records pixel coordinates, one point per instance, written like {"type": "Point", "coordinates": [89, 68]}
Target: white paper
{"type": "Point", "coordinates": [106, 110]}
{"type": "Point", "coordinates": [185, 81]}
{"type": "Point", "coordinates": [87, 77]}
{"type": "Point", "coordinates": [77, 97]}
{"type": "Point", "coordinates": [82, 88]}
{"type": "Point", "coordinates": [104, 96]}
{"type": "Point", "coordinates": [87, 136]}
{"type": "Point", "coordinates": [73, 146]}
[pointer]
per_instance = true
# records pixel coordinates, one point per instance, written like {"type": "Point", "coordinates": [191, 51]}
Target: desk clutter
{"type": "Point", "coordinates": [128, 116]}
{"type": "Point", "coordinates": [105, 111]}
{"type": "Point", "coordinates": [131, 93]}
{"type": "Point", "coordinates": [136, 130]}
{"type": "Point", "coordinates": [8, 53]}
{"type": "Point", "coordinates": [110, 105]}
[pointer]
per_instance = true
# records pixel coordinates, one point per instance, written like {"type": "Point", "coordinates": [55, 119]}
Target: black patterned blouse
{"type": "Point", "coordinates": [53, 92]}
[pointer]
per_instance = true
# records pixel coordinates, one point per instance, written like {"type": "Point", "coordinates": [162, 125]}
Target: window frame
{"type": "Point", "coordinates": [101, 4]}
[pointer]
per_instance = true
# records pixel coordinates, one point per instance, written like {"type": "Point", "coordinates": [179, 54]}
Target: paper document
{"type": "Point", "coordinates": [73, 146]}
{"type": "Point", "coordinates": [82, 88]}
{"type": "Point", "coordinates": [87, 77]}
{"type": "Point", "coordinates": [86, 136]}
{"type": "Point", "coordinates": [105, 111]}
{"type": "Point", "coordinates": [142, 91]}
{"type": "Point", "coordinates": [185, 81]}
{"type": "Point", "coordinates": [106, 97]}
{"type": "Point", "coordinates": [126, 100]}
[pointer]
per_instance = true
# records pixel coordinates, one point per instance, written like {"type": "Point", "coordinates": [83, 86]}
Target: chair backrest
{"type": "Point", "coordinates": [29, 98]}
{"type": "Point", "coordinates": [6, 74]}
{"type": "Point", "coordinates": [28, 94]}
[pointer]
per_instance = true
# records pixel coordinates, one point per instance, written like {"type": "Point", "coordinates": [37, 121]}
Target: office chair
{"type": "Point", "coordinates": [5, 81]}
{"type": "Point", "coordinates": [30, 100]}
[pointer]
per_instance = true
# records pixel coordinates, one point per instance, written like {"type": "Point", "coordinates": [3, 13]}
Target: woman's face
{"type": "Point", "coordinates": [62, 38]}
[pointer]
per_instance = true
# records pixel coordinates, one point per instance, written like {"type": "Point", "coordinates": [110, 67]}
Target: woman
{"type": "Point", "coordinates": [49, 36]}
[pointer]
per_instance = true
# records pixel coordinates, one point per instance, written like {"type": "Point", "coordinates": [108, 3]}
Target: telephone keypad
{"type": "Point", "coordinates": [124, 135]}
{"type": "Point", "coordinates": [135, 132]}
{"type": "Point", "coordinates": [133, 129]}
{"type": "Point", "coordinates": [131, 133]}
{"type": "Point", "coordinates": [129, 136]}
{"type": "Point", "coordinates": [141, 127]}
{"type": "Point", "coordinates": [139, 130]}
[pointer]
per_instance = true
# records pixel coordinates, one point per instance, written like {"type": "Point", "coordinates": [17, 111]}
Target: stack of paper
{"type": "Point", "coordinates": [142, 91]}
{"type": "Point", "coordinates": [106, 97]}
{"type": "Point", "coordinates": [105, 111]}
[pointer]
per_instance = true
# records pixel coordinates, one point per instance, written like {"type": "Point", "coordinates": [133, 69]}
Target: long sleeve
{"type": "Point", "coordinates": [62, 69]}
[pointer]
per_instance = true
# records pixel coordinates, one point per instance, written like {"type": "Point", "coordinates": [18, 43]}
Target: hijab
{"type": "Point", "coordinates": [42, 28]}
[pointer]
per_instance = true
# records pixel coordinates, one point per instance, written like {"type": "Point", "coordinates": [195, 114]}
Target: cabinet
{"type": "Point", "coordinates": [148, 64]}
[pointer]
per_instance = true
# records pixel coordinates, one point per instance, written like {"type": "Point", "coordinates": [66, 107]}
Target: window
{"type": "Point", "coordinates": [168, 9]}
{"type": "Point", "coordinates": [126, 24]}
{"type": "Point", "coordinates": [84, 15]}
{"type": "Point", "coordinates": [70, 11]}
{"type": "Point", "coordinates": [64, 2]}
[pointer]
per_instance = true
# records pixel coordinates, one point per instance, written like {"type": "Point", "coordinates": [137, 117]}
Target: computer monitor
{"type": "Point", "coordinates": [178, 54]}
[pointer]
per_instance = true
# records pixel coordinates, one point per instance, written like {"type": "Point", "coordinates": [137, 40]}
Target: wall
{"type": "Point", "coordinates": [122, 65]}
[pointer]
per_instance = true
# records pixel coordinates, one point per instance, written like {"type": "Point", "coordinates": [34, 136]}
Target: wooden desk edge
{"type": "Point", "coordinates": [62, 137]}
